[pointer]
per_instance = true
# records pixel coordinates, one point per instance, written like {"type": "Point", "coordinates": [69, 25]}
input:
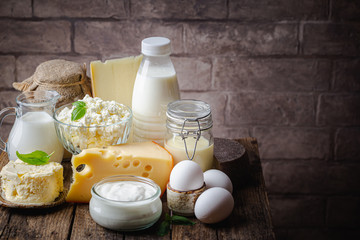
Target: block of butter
{"type": "Point", "coordinates": [114, 79]}
{"type": "Point", "coordinates": [146, 159]}
{"type": "Point", "coordinates": [25, 183]}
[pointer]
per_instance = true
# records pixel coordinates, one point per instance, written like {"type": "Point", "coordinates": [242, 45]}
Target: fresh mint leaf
{"type": "Point", "coordinates": [164, 228]}
{"type": "Point", "coordinates": [79, 104]}
{"type": "Point", "coordinates": [79, 110]}
{"type": "Point", "coordinates": [35, 158]}
{"type": "Point", "coordinates": [179, 220]}
{"type": "Point", "coordinates": [176, 220]}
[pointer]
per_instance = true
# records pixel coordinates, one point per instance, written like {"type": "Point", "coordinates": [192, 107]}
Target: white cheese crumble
{"type": "Point", "coordinates": [100, 126]}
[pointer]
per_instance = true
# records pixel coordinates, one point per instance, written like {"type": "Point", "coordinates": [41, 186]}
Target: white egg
{"type": "Point", "coordinates": [186, 175]}
{"type": "Point", "coordinates": [214, 205]}
{"type": "Point", "coordinates": [216, 178]}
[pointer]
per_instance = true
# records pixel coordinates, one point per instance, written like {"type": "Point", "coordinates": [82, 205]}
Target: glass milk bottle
{"type": "Point", "coordinates": [189, 132]}
{"type": "Point", "coordinates": [155, 86]}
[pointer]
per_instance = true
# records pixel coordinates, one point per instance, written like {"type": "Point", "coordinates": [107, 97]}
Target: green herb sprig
{"type": "Point", "coordinates": [79, 110]}
{"type": "Point", "coordinates": [176, 220]}
{"type": "Point", "coordinates": [35, 158]}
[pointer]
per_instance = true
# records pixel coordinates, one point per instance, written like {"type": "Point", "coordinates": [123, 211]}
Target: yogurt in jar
{"type": "Point", "coordinates": [125, 203]}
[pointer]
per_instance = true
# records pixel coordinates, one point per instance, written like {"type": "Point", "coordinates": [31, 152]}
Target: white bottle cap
{"type": "Point", "coordinates": [156, 46]}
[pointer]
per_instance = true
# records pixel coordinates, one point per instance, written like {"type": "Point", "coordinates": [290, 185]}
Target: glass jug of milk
{"type": "Point", "coordinates": [34, 127]}
{"type": "Point", "coordinates": [155, 86]}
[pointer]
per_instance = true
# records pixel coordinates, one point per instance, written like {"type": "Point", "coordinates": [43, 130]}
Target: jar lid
{"type": "Point", "coordinates": [196, 113]}
{"type": "Point", "coordinates": [156, 46]}
{"type": "Point", "coordinates": [188, 109]}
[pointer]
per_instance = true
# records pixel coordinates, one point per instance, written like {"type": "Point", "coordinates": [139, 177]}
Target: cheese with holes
{"type": "Point", "coordinates": [25, 183]}
{"type": "Point", "coordinates": [114, 79]}
{"type": "Point", "coordinates": [146, 159]}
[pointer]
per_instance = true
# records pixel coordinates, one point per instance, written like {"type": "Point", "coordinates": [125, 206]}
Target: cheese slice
{"type": "Point", "coordinates": [146, 159]}
{"type": "Point", "coordinates": [114, 79]}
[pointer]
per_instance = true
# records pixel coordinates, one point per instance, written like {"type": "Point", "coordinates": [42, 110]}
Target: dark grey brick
{"type": "Point", "coordinates": [347, 75]}
{"type": "Point", "coordinates": [81, 8]}
{"type": "Point", "coordinates": [216, 38]}
{"type": "Point", "coordinates": [293, 143]}
{"type": "Point", "coordinates": [15, 8]}
{"type": "Point", "coordinates": [7, 71]}
{"type": "Point", "coordinates": [332, 39]}
{"type": "Point", "coordinates": [7, 98]}
{"type": "Point", "coordinates": [346, 10]}
{"type": "Point", "coordinates": [194, 74]}
{"type": "Point", "coordinates": [272, 74]}
{"type": "Point", "coordinates": [233, 133]}
{"type": "Point", "coordinates": [278, 10]}
{"type": "Point", "coordinates": [186, 9]}
{"type": "Point", "coordinates": [339, 110]}
{"type": "Point", "coordinates": [31, 36]}
{"type": "Point", "coordinates": [347, 142]}
{"type": "Point", "coordinates": [123, 37]}
{"type": "Point", "coordinates": [274, 109]}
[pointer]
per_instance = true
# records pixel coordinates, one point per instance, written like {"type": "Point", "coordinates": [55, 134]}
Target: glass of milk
{"type": "Point", "coordinates": [33, 128]}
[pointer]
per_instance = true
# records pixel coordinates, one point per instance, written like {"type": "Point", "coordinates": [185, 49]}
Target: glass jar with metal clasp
{"type": "Point", "coordinates": [189, 132]}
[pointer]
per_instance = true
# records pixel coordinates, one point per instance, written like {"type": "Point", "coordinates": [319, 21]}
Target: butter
{"type": "Point", "coordinates": [25, 183]}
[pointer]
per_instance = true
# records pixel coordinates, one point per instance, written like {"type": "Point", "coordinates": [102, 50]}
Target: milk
{"type": "Point", "coordinates": [203, 155]}
{"type": "Point", "coordinates": [155, 86]}
{"type": "Point", "coordinates": [34, 131]}
{"type": "Point", "coordinates": [151, 95]}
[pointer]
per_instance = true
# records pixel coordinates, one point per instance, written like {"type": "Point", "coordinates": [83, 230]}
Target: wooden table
{"type": "Point", "coordinates": [250, 218]}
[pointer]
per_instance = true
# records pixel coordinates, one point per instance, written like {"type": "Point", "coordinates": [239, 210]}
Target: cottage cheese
{"type": "Point", "coordinates": [99, 126]}
{"type": "Point", "coordinates": [25, 183]}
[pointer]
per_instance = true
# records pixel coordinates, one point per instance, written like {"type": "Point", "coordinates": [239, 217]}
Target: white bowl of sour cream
{"type": "Point", "coordinates": [125, 203]}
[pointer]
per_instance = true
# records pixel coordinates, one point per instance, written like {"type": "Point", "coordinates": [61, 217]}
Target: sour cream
{"type": "Point", "coordinates": [125, 203]}
{"type": "Point", "coordinates": [125, 191]}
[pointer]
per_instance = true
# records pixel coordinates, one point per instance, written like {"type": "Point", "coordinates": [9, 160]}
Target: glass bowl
{"type": "Point", "coordinates": [77, 138]}
{"type": "Point", "coordinates": [130, 215]}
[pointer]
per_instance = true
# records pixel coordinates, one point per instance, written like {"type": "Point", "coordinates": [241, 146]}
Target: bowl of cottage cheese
{"type": "Point", "coordinates": [99, 124]}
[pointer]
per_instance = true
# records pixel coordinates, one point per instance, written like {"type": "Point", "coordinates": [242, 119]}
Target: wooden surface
{"type": "Point", "coordinates": [250, 218]}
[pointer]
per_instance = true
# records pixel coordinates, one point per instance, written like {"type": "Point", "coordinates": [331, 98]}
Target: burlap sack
{"type": "Point", "coordinates": [67, 78]}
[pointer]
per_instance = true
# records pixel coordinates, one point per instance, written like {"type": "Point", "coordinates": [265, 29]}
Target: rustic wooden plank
{"type": "Point", "coordinates": [4, 219]}
{"type": "Point", "coordinates": [41, 224]}
{"type": "Point", "coordinates": [199, 231]}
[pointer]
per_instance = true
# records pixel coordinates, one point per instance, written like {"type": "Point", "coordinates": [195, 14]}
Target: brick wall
{"type": "Point", "coordinates": [285, 72]}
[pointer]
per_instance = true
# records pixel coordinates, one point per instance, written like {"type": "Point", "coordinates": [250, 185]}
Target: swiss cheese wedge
{"type": "Point", "coordinates": [114, 79]}
{"type": "Point", "coordinates": [146, 159]}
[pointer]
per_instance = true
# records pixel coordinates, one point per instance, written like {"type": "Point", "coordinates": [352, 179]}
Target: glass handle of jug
{"type": "Point", "coordinates": [3, 114]}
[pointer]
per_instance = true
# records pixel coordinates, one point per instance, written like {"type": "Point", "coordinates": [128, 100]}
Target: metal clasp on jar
{"type": "Point", "coordinates": [185, 134]}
